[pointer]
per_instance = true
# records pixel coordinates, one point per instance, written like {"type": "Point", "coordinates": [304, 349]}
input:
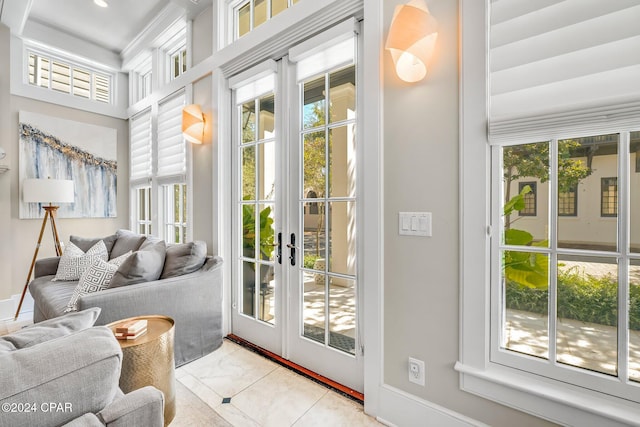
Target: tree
{"type": "Point", "coordinates": [532, 160]}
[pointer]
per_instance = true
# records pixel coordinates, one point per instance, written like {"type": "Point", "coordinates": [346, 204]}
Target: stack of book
{"type": "Point", "coordinates": [131, 330]}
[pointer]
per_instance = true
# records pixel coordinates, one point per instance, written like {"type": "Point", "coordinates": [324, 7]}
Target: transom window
{"type": "Point", "coordinates": [249, 14]}
{"type": "Point", "coordinates": [178, 61]}
{"type": "Point", "coordinates": [66, 77]}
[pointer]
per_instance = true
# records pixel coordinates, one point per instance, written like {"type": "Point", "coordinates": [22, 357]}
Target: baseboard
{"type": "Point", "coordinates": [8, 306]}
{"type": "Point", "coordinates": [7, 309]}
{"type": "Point", "coordinates": [398, 408]}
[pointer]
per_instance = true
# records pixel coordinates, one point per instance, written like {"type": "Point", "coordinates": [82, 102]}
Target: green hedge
{"type": "Point", "coordinates": [588, 299]}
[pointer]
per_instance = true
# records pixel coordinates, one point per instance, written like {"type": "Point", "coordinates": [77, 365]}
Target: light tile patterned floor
{"type": "Point", "coordinates": [264, 393]}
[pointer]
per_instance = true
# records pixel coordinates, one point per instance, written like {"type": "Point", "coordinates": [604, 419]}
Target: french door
{"type": "Point", "coordinates": [296, 207]}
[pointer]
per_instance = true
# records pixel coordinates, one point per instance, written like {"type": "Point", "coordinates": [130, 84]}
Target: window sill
{"type": "Point", "coordinates": [545, 398]}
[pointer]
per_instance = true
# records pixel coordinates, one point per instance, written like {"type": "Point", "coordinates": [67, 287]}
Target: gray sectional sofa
{"type": "Point", "coordinates": [188, 289]}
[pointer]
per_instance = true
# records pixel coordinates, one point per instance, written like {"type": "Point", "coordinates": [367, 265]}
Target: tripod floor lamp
{"type": "Point", "coordinates": [45, 191]}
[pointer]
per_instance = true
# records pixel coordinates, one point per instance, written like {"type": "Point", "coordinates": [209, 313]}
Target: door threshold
{"type": "Point", "coordinates": [322, 380]}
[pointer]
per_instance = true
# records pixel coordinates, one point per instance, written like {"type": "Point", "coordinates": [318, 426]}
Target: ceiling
{"type": "Point", "coordinates": [112, 28]}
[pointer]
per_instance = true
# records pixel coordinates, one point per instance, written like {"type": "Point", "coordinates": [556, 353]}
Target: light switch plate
{"type": "Point", "coordinates": [414, 224]}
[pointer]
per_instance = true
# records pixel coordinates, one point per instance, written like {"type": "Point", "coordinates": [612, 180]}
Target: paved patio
{"type": "Point", "coordinates": [587, 345]}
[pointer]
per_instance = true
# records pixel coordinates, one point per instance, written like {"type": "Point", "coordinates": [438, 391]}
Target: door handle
{"type": "Point", "coordinates": [279, 250]}
{"type": "Point", "coordinates": [292, 249]}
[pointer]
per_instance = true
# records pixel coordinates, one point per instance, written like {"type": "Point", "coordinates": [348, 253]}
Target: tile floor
{"type": "Point", "coordinates": [257, 392]}
{"type": "Point", "coordinates": [263, 393]}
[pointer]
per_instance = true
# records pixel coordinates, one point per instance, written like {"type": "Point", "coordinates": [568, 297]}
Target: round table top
{"type": "Point", "coordinates": [156, 326]}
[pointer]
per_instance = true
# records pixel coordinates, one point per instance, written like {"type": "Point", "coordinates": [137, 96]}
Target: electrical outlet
{"type": "Point", "coordinates": [416, 371]}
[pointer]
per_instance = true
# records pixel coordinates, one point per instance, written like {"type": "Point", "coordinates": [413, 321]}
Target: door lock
{"type": "Point", "coordinates": [292, 249]}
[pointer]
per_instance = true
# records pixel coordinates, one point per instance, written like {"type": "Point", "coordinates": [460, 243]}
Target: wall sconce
{"type": "Point", "coordinates": [193, 123]}
{"type": "Point", "coordinates": [412, 39]}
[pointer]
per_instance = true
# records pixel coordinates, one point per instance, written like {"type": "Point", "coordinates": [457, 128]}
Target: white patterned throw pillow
{"type": "Point", "coordinates": [74, 261]}
{"type": "Point", "coordinates": [95, 278]}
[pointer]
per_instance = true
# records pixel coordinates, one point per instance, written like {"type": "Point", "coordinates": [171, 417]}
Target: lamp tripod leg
{"type": "Point", "coordinates": [33, 263]}
{"type": "Point", "coordinates": [54, 231]}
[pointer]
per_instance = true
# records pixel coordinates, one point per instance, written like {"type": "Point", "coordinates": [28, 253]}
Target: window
{"type": "Point", "coordinates": [174, 52]}
{"type": "Point", "coordinates": [529, 208]}
{"type": "Point", "coordinates": [609, 197]}
{"type": "Point", "coordinates": [142, 223]}
{"type": "Point", "coordinates": [63, 76]}
{"type": "Point", "coordinates": [140, 77]}
{"type": "Point", "coordinates": [175, 212]}
{"type": "Point", "coordinates": [158, 171]}
{"type": "Point", "coordinates": [548, 303]}
{"type": "Point", "coordinates": [568, 202]}
{"type": "Point", "coordinates": [178, 62]}
{"type": "Point", "coordinates": [250, 14]}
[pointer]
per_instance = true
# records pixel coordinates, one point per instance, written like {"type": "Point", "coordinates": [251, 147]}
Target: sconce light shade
{"type": "Point", "coordinates": [193, 123]}
{"type": "Point", "coordinates": [48, 191]}
{"type": "Point", "coordinates": [412, 39]}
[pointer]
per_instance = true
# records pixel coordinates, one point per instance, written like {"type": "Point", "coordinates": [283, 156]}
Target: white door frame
{"type": "Point", "coordinates": [373, 180]}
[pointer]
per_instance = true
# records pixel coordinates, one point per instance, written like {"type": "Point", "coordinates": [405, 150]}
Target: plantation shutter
{"type": "Point", "coordinates": [172, 153]}
{"type": "Point", "coordinates": [140, 145]}
{"type": "Point", "coordinates": [558, 64]}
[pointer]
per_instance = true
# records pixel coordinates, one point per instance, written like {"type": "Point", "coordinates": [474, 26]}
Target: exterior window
{"type": "Point", "coordinates": [143, 210]}
{"type": "Point", "coordinates": [550, 320]}
{"type": "Point", "coordinates": [529, 208]}
{"type": "Point", "coordinates": [178, 62]}
{"type": "Point", "coordinates": [609, 197]}
{"type": "Point", "coordinates": [66, 77]}
{"type": "Point", "coordinates": [159, 169]}
{"type": "Point", "coordinates": [145, 84]}
{"type": "Point", "coordinates": [568, 202]}
{"type": "Point", "coordinates": [575, 280]}
{"type": "Point", "coordinates": [175, 205]}
{"type": "Point", "coordinates": [250, 14]}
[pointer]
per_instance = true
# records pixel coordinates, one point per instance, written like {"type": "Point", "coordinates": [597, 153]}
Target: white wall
{"type": "Point", "coordinates": [5, 179]}
{"type": "Point", "coordinates": [19, 236]}
{"type": "Point", "coordinates": [421, 169]}
{"type": "Point", "coordinates": [202, 155]}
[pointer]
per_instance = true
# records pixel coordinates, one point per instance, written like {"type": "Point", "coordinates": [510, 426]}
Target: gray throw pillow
{"type": "Point", "coordinates": [184, 258]}
{"type": "Point", "coordinates": [50, 329]}
{"type": "Point", "coordinates": [126, 241]}
{"type": "Point", "coordinates": [85, 243]}
{"type": "Point", "coordinates": [144, 265]}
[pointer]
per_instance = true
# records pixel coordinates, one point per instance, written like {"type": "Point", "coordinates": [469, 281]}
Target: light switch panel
{"type": "Point", "coordinates": [414, 223]}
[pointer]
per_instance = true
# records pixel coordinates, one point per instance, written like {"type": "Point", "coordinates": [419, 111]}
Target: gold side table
{"type": "Point", "coordinates": [149, 360]}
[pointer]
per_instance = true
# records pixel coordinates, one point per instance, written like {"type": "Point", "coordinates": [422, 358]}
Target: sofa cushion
{"type": "Point", "coordinates": [144, 265]}
{"type": "Point", "coordinates": [74, 261]}
{"type": "Point", "coordinates": [50, 329]}
{"type": "Point", "coordinates": [126, 241]}
{"type": "Point", "coordinates": [85, 243]}
{"type": "Point", "coordinates": [184, 258]}
{"type": "Point", "coordinates": [50, 298]}
{"type": "Point", "coordinates": [96, 278]}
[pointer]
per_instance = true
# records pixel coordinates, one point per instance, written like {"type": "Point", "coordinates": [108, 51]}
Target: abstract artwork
{"type": "Point", "coordinates": [55, 148]}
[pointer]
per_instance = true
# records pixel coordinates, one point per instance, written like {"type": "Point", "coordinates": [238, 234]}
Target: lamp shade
{"type": "Point", "coordinates": [193, 123]}
{"type": "Point", "coordinates": [48, 191]}
{"type": "Point", "coordinates": [411, 40]}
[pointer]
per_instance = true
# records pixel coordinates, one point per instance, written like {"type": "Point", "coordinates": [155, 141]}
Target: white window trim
{"type": "Point", "coordinates": [537, 395]}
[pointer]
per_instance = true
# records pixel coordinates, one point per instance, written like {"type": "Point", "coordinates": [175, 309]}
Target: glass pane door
{"type": "Point", "coordinates": [256, 312]}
